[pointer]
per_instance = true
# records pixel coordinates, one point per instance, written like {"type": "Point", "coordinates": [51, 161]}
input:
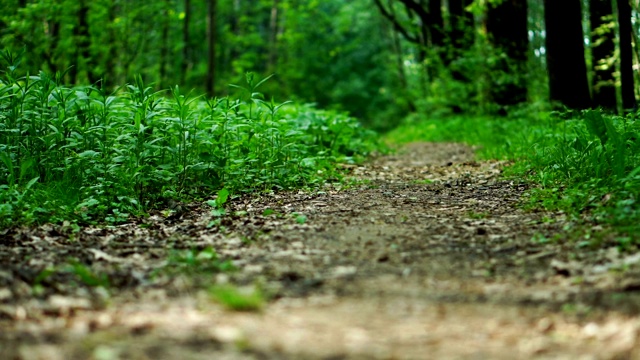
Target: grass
{"type": "Point", "coordinates": [205, 261]}
{"type": "Point", "coordinates": [238, 299]}
{"type": "Point", "coordinates": [88, 154]}
{"type": "Point", "coordinates": [586, 164]}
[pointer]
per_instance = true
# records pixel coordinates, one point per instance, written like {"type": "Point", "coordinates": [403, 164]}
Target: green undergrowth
{"type": "Point", "coordinates": [89, 154]}
{"type": "Point", "coordinates": [586, 164]}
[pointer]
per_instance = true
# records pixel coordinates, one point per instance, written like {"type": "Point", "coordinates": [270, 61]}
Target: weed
{"type": "Point", "coordinates": [422, 182]}
{"type": "Point", "coordinates": [218, 207]}
{"type": "Point", "coordinates": [193, 261]}
{"type": "Point", "coordinates": [238, 299]}
{"type": "Point", "coordinates": [86, 275]}
{"type": "Point", "coordinates": [268, 212]}
{"type": "Point", "coordinates": [540, 239]}
{"type": "Point", "coordinates": [300, 219]}
{"type": "Point", "coordinates": [477, 215]}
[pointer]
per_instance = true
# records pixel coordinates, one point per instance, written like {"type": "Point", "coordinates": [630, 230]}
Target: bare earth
{"type": "Point", "coordinates": [426, 256]}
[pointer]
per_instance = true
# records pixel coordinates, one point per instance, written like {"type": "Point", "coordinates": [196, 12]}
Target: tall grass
{"type": "Point", "coordinates": [92, 154]}
{"type": "Point", "coordinates": [586, 164]}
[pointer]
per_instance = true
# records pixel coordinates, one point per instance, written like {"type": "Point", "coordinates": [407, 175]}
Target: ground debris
{"type": "Point", "coordinates": [422, 254]}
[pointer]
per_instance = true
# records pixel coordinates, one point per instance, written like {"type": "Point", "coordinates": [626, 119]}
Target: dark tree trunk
{"type": "Point", "coordinates": [390, 15]}
{"type": "Point", "coordinates": [402, 76]}
{"type": "Point", "coordinates": [568, 82]}
{"type": "Point", "coordinates": [83, 59]}
{"type": "Point", "coordinates": [211, 42]}
{"type": "Point", "coordinates": [110, 76]}
{"type": "Point", "coordinates": [461, 34]}
{"type": "Point", "coordinates": [84, 45]}
{"type": "Point", "coordinates": [603, 47]}
{"type": "Point", "coordinates": [236, 30]}
{"type": "Point", "coordinates": [186, 50]}
{"type": "Point", "coordinates": [54, 35]}
{"type": "Point", "coordinates": [507, 29]}
{"type": "Point", "coordinates": [273, 36]}
{"type": "Point", "coordinates": [436, 23]}
{"type": "Point", "coordinates": [626, 55]}
{"type": "Point", "coordinates": [164, 46]}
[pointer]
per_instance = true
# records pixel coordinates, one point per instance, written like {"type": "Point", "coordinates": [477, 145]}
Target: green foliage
{"type": "Point", "coordinates": [498, 138]}
{"type": "Point", "coordinates": [237, 299]}
{"type": "Point", "coordinates": [585, 164]}
{"type": "Point", "coordinates": [194, 261]}
{"type": "Point", "coordinates": [88, 154]}
{"type": "Point", "coordinates": [108, 42]}
{"type": "Point", "coordinates": [218, 207]}
{"type": "Point", "coordinates": [86, 275]}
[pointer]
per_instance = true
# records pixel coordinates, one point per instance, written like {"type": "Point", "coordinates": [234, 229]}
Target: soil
{"type": "Point", "coordinates": [425, 254]}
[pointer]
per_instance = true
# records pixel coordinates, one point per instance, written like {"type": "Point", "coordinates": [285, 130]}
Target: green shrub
{"type": "Point", "coordinates": [91, 154]}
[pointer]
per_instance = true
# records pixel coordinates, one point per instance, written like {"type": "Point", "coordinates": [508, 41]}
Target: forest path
{"type": "Point", "coordinates": [427, 256]}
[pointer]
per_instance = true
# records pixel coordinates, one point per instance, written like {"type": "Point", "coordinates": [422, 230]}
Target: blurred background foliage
{"type": "Point", "coordinates": [380, 60]}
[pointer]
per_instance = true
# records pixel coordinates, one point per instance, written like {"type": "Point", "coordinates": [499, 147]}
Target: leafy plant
{"type": "Point", "coordinates": [194, 261]}
{"type": "Point", "coordinates": [89, 155]}
{"type": "Point", "coordinates": [86, 275]}
{"type": "Point", "coordinates": [238, 299]}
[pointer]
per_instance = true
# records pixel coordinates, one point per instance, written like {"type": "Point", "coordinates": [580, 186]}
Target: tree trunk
{"type": "Point", "coordinates": [273, 36]}
{"type": "Point", "coordinates": [568, 82]}
{"type": "Point", "coordinates": [164, 46]}
{"type": "Point", "coordinates": [462, 31]}
{"type": "Point", "coordinates": [186, 50]}
{"type": "Point", "coordinates": [436, 24]}
{"type": "Point", "coordinates": [53, 33]}
{"type": "Point", "coordinates": [602, 51]}
{"type": "Point", "coordinates": [626, 56]}
{"type": "Point", "coordinates": [461, 34]}
{"type": "Point", "coordinates": [110, 76]}
{"type": "Point", "coordinates": [211, 41]}
{"type": "Point", "coordinates": [402, 75]}
{"type": "Point", "coordinates": [84, 43]}
{"type": "Point", "coordinates": [236, 30]}
{"type": "Point", "coordinates": [507, 30]}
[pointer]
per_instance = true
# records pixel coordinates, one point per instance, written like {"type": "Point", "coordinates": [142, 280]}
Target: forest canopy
{"type": "Point", "coordinates": [377, 59]}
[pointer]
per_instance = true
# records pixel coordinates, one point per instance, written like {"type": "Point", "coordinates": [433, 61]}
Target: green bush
{"type": "Point", "coordinates": [92, 154]}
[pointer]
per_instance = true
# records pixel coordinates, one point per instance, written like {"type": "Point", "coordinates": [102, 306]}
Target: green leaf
{"type": "Point", "coordinates": [88, 154]}
{"type": "Point", "coordinates": [223, 196]}
{"type": "Point", "coordinates": [596, 125]}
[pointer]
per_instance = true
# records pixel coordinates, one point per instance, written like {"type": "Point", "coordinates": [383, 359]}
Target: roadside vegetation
{"type": "Point", "coordinates": [586, 164]}
{"type": "Point", "coordinates": [85, 154]}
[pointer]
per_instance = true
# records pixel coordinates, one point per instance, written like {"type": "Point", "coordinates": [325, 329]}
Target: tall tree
{"type": "Point", "coordinates": [436, 25]}
{"type": "Point", "coordinates": [430, 31]}
{"type": "Point", "coordinates": [164, 45]}
{"type": "Point", "coordinates": [83, 45]}
{"type": "Point", "coordinates": [52, 29]}
{"type": "Point", "coordinates": [273, 35]}
{"type": "Point", "coordinates": [602, 52]}
{"type": "Point", "coordinates": [186, 42]}
{"type": "Point", "coordinates": [626, 55]}
{"type": "Point", "coordinates": [462, 31]}
{"type": "Point", "coordinates": [566, 65]}
{"type": "Point", "coordinates": [212, 6]}
{"type": "Point", "coordinates": [506, 25]}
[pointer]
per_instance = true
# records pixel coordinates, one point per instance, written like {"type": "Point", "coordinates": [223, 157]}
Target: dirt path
{"type": "Point", "coordinates": [426, 256]}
